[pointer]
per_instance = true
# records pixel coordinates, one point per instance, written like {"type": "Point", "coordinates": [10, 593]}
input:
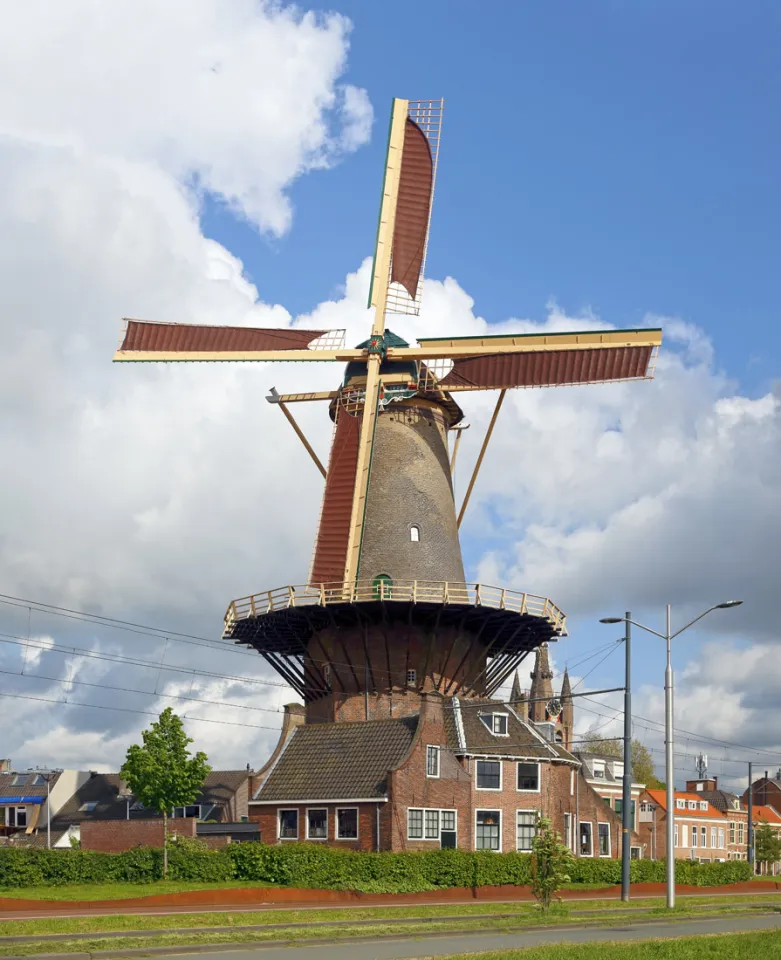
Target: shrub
{"type": "Point", "coordinates": [328, 868]}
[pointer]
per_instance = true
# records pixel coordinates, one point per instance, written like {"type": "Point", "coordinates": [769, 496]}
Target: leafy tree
{"type": "Point", "coordinates": [550, 864]}
{"type": "Point", "coordinates": [767, 844]}
{"type": "Point", "coordinates": [642, 761]}
{"type": "Point", "coordinates": [162, 774]}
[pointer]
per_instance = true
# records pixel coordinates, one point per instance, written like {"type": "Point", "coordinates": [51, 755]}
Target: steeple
{"type": "Point", "coordinates": [518, 700]}
{"type": "Point", "coordinates": [567, 718]}
{"type": "Point", "coordinates": [542, 688]}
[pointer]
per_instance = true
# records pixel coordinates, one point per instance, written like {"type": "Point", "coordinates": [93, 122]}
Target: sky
{"type": "Point", "coordinates": [605, 165]}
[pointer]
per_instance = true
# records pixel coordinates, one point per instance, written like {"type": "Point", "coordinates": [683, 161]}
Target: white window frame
{"type": "Point", "coordinates": [602, 823]}
{"type": "Point", "coordinates": [691, 804]}
{"type": "Point", "coordinates": [684, 834]}
{"type": "Point", "coordinates": [598, 769]}
{"type": "Point", "coordinates": [590, 823]}
{"type": "Point", "coordinates": [501, 827]}
{"type": "Point", "coordinates": [569, 819]}
{"type": "Point", "coordinates": [704, 832]}
{"type": "Point", "coordinates": [501, 776]}
{"type": "Point", "coordinates": [317, 839]}
{"type": "Point", "coordinates": [618, 770]}
{"type": "Point", "coordinates": [427, 813]}
{"type": "Point", "coordinates": [357, 823]}
{"type": "Point", "coordinates": [675, 831]}
{"type": "Point", "coordinates": [433, 750]}
{"type": "Point", "coordinates": [714, 836]}
{"type": "Point", "coordinates": [721, 838]}
{"type": "Point", "coordinates": [414, 533]}
{"type": "Point", "coordinates": [703, 804]}
{"type": "Point", "coordinates": [536, 815]}
{"type": "Point", "coordinates": [680, 804]}
{"type": "Point", "coordinates": [422, 812]}
{"type": "Point", "coordinates": [280, 811]}
{"type": "Point", "coordinates": [528, 763]}
{"type": "Point", "coordinates": [695, 837]}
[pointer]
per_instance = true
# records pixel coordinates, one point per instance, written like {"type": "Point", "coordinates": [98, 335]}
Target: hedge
{"type": "Point", "coordinates": [320, 867]}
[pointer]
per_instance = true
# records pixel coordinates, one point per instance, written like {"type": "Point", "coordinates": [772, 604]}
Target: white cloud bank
{"type": "Point", "coordinates": [158, 494]}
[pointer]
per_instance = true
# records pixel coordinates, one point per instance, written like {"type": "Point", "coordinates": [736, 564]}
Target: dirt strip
{"type": "Point", "coordinates": [270, 898]}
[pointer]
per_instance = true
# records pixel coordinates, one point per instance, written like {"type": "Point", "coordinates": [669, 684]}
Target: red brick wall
{"type": "Point", "coordinates": [114, 836]}
{"type": "Point", "coordinates": [266, 816]}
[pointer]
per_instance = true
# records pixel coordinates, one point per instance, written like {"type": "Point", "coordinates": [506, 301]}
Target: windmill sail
{"type": "Point", "coordinates": [413, 208]}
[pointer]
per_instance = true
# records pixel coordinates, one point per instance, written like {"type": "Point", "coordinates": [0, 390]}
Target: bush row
{"type": "Point", "coordinates": [320, 867]}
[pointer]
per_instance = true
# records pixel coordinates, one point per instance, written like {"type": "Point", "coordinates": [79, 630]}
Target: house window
{"type": "Point", "coordinates": [16, 816]}
{"type": "Point", "coordinates": [713, 837]}
{"type": "Point", "coordinates": [740, 831]}
{"type": "Point", "coordinates": [317, 824]}
{"type": "Point", "coordinates": [568, 839]}
{"type": "Point", "coordinates": [346, 823]}
{"type": "Point", "coordinates": [88, 807]}
{"type": "Point", "coordinates": [499, 724]}
{"type": "Point", "coordinates": [415, 824]}
{"type": "Point", "coordinates": [414, 533]}
{"type": "Point", "coordinates": [693, 805]}
{"type": "Point", "coordinates": [18, 778]}
{"type": "Point", "coordinates": [634, 853]}
{"type": "Point", "coordinates": [721, 837]}
{"type": "Point", "coordinates": [529, 777]}
{"type": "Point", "coordinates": [487, 825]}
{"type": "Point", "coordinates": [618, 771]}
{"type": "Point", "coordinates": [680, 804]}
{"type": "Point", "coordinates": [526, 829]}
{"type": "Point", "coordinates": [703, 805]}
{"type": "Point", "coordinates": [675, 832]}
{"type": "Point", "coordinates": [412, 678]}
{"type": "Point", "coordinates": [619, 806]}
{"type": "Point", "coordinates": [586, 844]}
{"type": "Point", "coordinates": [448, 820]}
{"type": "Point", "coordinates": [694, 836]}
{"type": "Point", "coordinates": [431, 821]}
{"type": "Point", "coordinates": [37, 780]}
{"type": "Point", "coordinates": [603, 834]}
{"type": "Point", "coordinates": [288, 824]}
{"type": "Point", "coordinates": [704, 836]}
{"type": "Point", "coordinates": [732, 831]}
{"type": "Point", "coordinates": [193, 810]}
{"type": "Point", "coordinates": [432, 761]}
{"type": "Point", "coordinates": [599, 769]}
{"type": "Point", "coordinates": [489, 775]}
{"type": "Point", "coordinates": [684, 834]}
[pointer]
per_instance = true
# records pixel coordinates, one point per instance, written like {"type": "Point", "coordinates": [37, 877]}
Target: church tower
{"type": "Point", "coordinates": [541, 689]}
{"type": "Point", "coordinates": [518, 699]}
{"type": "Point", "coordinates": [567, 718]}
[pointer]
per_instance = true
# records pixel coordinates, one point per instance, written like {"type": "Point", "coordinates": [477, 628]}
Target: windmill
{"type": "Point", "coordinates": [387, 549]}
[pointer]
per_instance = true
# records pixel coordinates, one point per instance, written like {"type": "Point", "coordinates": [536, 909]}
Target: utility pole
{"type": "Point", "coordinates": [626, 812]}
{"type": "Point", "coordinates": [750, 817]}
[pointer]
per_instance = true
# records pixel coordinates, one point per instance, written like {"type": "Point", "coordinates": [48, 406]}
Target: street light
{"type": "Point", "coordinates": [668, 636]}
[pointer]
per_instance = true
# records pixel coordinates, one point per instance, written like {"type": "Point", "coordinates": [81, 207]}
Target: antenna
{"type": "Point", "coordinates": [702, 765]}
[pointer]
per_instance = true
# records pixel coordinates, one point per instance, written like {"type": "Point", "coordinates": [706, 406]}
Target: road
{"type": "Point", "coordinates": [471, 943]}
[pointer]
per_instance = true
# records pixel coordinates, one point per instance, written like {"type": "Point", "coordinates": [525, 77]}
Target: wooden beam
{"type": "Point", "coordinates": [435, 347]}
{"type": "Point", "coordinates": [302, 438]}
{"type": "Point", "coordinates": [304, 397]}
{"type": "Point", "coordinates": [459, 431]}
{"type": "Point", "coordinates": [223, 356]}
{"type": "Point", "coordinates": [484, 447]}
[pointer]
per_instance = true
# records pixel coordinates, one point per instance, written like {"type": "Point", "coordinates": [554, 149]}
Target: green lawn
{"type": "Point", "coordinates": [86, 931]}
{"type": "Point", "coordinates": [736, 946]}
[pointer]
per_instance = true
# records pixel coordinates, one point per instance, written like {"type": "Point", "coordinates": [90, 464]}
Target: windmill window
{"type": "Point", "coordinates": [382, 584]}
{"type": "Point", "coordinates": [414, 533]}
{"type": "Point", "coordinates": [412, 677]}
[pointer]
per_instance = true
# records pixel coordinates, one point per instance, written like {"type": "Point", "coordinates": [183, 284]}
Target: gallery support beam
{"type": "Point", "coordinates": [484, 447]}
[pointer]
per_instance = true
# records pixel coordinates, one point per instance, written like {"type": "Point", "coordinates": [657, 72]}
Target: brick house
{"type": "Point", "coordinates": [763, 814]}
{"type": "Point", "coordinates": [471, 774]}
{"type": "Point", "coordinates": [701, 831]}
{"type": "Point", "coordinates": [103, 797]}
{"type": "Point", "coordinates": [732, 807]}
{"type": "Point", "coordinates": [605, 775]}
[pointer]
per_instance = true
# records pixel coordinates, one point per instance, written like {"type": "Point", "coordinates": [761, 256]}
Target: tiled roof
{"type": "Point", "coordinates": [102, 789]}
{"type": "Point", "coordinates": [660, 799]}
{"type": "Point", "coordinates": [521, 740]}
{"type": "Point", "coordinates": [339, 761]}
{"type": "Point", "coordinates": [22, 784]}
{"type": "Point", "coordinates": [722, 800]}
{"type": "Point", "coordinates": [768, 814]}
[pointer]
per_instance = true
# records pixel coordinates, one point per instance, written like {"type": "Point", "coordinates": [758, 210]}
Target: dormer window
{"type": "Point", "coordinates": [680, 804]}
{"type": "Point", "coordinates": [599, 769]}
{"type": "Point", "coordinates": [618, 771]}
{"type": "Point", "coordinates": [703, 805]}
{"type": "Point", "coordinates": [414, 533]}
{"type": "Point", "coordinates": [496, 723]}
{"type": "Point", "coordinates": [693, 805]}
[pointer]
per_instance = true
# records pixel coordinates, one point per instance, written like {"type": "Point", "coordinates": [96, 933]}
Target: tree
{"type": "Point", "coordinates": [551, 863]}
{"type": "Point", "coordinates": [767, 844]}
{"type": "Point", "coordinates": [642, 761]}
{"type": "Point", "coordinates": [162, 774]}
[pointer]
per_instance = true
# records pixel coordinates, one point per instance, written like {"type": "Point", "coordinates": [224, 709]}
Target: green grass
{"type": "Point", "coordinates": [733, 946]}
{"type": "Point", "coordinates": [87, 938]}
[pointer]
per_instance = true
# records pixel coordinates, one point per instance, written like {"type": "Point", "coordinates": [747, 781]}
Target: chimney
{"type": "Point", "coordinates": [5, 766]}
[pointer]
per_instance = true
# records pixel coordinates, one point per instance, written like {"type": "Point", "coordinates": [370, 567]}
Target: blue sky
{"type": "Point", "coordinates": [614, 156]}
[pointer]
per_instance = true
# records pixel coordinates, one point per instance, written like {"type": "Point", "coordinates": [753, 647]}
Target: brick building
{"type": "Point", "coordinates": [701, 831]}
{"type": "Point", "coordinates": [466, 773]}
{"type": "Point", "coordinates": [732, 807]}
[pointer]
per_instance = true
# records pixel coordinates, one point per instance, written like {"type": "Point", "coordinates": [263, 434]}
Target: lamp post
{"type": "Point", "coordinates": [49, 776]}
{"type": "Point", "coordinates": [668, 636]}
